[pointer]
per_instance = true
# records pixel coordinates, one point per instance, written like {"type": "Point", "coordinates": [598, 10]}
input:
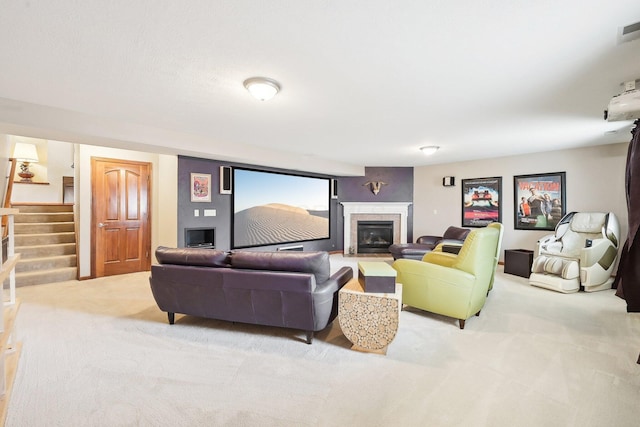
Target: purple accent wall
{"type": "Point", "coordinates": [398, 187]}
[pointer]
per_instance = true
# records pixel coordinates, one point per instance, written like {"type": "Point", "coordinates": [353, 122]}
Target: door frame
{"type": "Point", "coordinates": [147, 234]}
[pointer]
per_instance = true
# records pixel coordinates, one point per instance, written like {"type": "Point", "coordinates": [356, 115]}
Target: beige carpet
{"type": "Point", "coordinates": [100, 353]}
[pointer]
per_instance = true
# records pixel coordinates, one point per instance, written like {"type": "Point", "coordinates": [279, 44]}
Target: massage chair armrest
{"type": "Point", "coordinates": [601, 251]}
{"type": "Point", "coordinates": [548, 244]}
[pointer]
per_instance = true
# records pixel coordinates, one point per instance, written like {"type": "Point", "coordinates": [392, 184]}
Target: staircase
{"type": "Point", "coordinates": [46, 239]}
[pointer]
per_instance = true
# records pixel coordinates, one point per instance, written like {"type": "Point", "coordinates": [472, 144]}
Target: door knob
{"type": "Point", "coordinates": [101, 225]}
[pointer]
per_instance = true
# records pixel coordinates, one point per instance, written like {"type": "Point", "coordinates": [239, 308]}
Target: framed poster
{"type": "Point", "coordinates": [481, 201]}
{"type": "Point", "coordinates": [200, 187]}
{"type": "Point", "coordinates": [539, 200]}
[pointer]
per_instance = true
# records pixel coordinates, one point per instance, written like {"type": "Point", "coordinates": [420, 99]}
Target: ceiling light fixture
{"type": "Point", "coordinates": [262, 88]}
{"type": "Point", "coordinates": [429, 150]}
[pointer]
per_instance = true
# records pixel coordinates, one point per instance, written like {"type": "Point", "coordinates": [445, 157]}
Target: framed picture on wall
{"type": "Point", "coordinates": [200, 187]}
{"type": "Point", "coordinates": [481, 201]}
{"type": "Point", "coordinates": [539, 200]}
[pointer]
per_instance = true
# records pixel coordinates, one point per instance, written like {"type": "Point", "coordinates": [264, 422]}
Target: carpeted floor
{"type": "Point", "coordinates": [100, 353]}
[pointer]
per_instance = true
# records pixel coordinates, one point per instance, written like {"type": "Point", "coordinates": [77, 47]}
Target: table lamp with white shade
{"type": "Point", "coordinates": [25, 153]}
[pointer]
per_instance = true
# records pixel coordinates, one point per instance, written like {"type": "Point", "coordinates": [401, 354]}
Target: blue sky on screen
{"type": "Point", "coordinates": [253, 188]}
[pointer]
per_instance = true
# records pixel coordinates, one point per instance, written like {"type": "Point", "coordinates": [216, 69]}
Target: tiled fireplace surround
{"type": "Point", "coordinates": [372, 211]}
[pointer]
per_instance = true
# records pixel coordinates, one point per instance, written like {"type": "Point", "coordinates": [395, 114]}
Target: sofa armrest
{"type": "Point", "coordinates": [342, 276]}
{"type": "Point", "coordinates": [452, 249]}
{"type": "Point", "coordinates": [428, 240]}
{"type": "Point", "coordinates": [335, 282]}
{"type": "Point", "coordinates": [441, 258]}
{"type": "Point", "coordinates": [325, 297]}
{"type": "Point", "coordinates": [451, 246]}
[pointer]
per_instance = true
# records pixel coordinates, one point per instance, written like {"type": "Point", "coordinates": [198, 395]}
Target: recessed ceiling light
{"type": "Point", "coordinates": [429, 150]}
{"type": "Point", "coordinates": [262, 88]}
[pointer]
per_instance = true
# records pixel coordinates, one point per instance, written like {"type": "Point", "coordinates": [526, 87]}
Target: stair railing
{"type": "Point", "coordinates": [7, 195]}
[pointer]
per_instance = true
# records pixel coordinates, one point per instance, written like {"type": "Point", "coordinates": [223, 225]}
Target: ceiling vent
{"type": "Point", "coordinates": [628, 33]}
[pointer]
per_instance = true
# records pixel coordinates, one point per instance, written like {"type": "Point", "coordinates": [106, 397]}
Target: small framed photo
{"type": "Point", "coordinates": [539, 200]}
{"type": "Point", "coordinates": [200, 187]}
{"type": "Point", "coordinates": [481, 201]}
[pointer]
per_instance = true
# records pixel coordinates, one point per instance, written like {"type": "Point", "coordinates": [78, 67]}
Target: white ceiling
{"type": "Point", "coordinates": [364, 83]}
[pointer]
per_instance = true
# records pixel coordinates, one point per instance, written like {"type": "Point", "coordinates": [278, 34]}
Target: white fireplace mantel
{"type": "Point", "coordinates": [374, 208]}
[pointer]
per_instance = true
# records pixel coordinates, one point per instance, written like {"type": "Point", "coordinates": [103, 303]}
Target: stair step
{"type": "Point", "coordinates": [41, 277]}
{"type": "Point", "coordinates": [30, 208]}
{"type": "Point", "coordinates": [38, 251]}
{"type": "Point", "coordinates": [43, 227]}
{"type": "Point", "coordinates": [46, 263]}
{"type": "Point", "coordinates": [44, 238]}
{"type": "Point", "coordinates": [44, 217]}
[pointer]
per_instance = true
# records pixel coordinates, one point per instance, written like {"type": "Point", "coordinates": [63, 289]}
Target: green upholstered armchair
{"type": "Point", "coordinates": [438, 256]}
{"type": "Point", "coordinates": [457, 290]}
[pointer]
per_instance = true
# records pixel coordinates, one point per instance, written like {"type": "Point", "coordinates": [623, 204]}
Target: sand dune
{"type": "Point", "coordinates": [276, 223]}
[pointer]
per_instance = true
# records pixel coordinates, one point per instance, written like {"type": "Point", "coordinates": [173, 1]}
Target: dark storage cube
{"type": "Point", "coordinates": [518, 262]}
{"type": "Point", "coordinates": [377, 277]}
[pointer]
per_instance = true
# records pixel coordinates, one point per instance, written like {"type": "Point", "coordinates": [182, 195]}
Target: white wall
{"type": "Point", "coordinates": [163, 204]}
{"type": "Point", "coordinates": [594, 181]}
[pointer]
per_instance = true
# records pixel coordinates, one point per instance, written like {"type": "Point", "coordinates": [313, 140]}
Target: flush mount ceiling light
{"type": "Point", "coordinates": [262, 88]}
{"type": "Point", "coordinates": [429, 150]}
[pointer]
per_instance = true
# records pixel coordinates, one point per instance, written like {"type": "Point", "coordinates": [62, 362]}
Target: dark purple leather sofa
{"type": "Point", "coordinates": [453, 236]}
{"type": "Point", "coordinates": [286, 289]}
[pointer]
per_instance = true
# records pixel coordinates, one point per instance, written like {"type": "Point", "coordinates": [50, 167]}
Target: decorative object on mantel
{"type": "Point", "coordinates": [375, 186]}
{"type": "Point", "coordinates": [25, 153]}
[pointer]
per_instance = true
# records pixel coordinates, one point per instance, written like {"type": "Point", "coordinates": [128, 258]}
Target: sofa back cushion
{"type": "Point", "coordinates": [455, 233]}
{"type": "Point", "coordinates": [192, 256]}
{"type": "Point", "coordinates": [316, 263]}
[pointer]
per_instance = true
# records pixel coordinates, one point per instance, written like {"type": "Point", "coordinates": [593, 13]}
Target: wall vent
{"type": "Point", "coordinates": [628, 33]}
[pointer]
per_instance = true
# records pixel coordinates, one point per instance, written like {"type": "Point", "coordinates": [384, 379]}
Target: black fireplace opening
{"type": "Point", "coordinates": [200, 238]}
{"type": "Point", "coordinates": [374, 236]}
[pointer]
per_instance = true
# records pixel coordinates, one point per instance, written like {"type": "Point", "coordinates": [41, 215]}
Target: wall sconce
{"type": "Point", "coordinates": [25, 153]}
{"type": "Point", "coordinates": [448, 181]}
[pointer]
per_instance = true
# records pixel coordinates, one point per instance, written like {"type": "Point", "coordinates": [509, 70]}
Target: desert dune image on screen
{"type": "Point", "coordinates": [271, 208]}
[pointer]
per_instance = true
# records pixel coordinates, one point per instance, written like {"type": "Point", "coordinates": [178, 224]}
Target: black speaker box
{"type": "Point", "coordinates": [225, 180]}
{"type": "Point", "coordinates": [334, 188]}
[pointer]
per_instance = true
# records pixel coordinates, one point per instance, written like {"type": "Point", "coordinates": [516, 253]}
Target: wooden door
{"type": "Point", "coordinates": [121, 238]}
